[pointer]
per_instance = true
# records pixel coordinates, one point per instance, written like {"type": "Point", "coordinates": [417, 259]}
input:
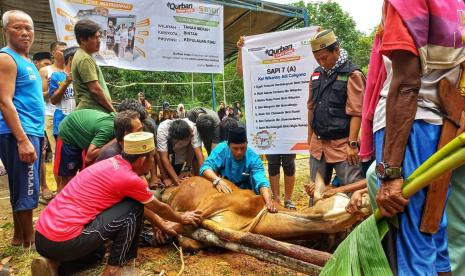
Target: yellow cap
{"type": "Point", "coordinates": [322, 40]}
{"type": "Point", "coordinates": [138, 143]}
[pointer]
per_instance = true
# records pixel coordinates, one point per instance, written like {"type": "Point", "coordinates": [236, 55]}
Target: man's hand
{"type": "Point", "coordinates": [192, 218]}
{"type": "Point", "coordinates": [389, 198]}
{"type": "Point", "coordinates": [69, 78]}
{"type": "Point", "coordinates": [223, 187]}
{"type": "Point", "coordinates": [355, 202]}
{"type": "Point", "coordinates": [27, 152]}
{"type": "Point", "coordinates": [310, 188]}
{"type": "Point", "coordinates": [155, 182]}
{"type": "Point", "coordinates": [161, 233]}
{"type": "Point", "coordinates": [270, 206]}
{"type": "Point", "coordinates": [240, 42]}
{"type": "Point", "coordinates": [168, 182]}
{"type": "Point", "coordinates": [352, 155]}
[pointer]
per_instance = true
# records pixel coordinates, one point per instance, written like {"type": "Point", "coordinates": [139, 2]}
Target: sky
{"type": "Point", "coordinates": [366, 18]}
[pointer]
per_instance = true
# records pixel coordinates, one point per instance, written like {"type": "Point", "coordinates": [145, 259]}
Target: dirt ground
{"type": "Point", "coordinates": [163, 260]}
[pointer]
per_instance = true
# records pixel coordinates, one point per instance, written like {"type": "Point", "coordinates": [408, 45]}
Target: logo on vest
{"type": "Point", "coordinates": [31, 74]}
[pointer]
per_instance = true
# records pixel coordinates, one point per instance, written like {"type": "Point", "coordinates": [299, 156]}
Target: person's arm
{"type": "Point", "coordinates": [157, 221]}
{"type": "Point", "coordinates": [57, 94]}
{"type": "Point", "coordinates": [26, 150]}
{"type": "Point", "coordinates": [401, 107]}
{"type": "Point", "coordinates": [165, 160]}
{"type": "Point", "coordinates": [199, 155]}
{"type": "Point", "coordinates": [355, 90]}
{"type": "Point", "coordinates": [99, 95]}
{"type": "Point", "coordinates": [92, 153]}
{"type": "Point", "coordinates": [261, 183]}
{"type": "Point", "coordinates": [210, 168]}
{"type": "Point", "coordinates": [240, 44]}
{"type": "Point", "coordinates": [356, 201]}
{"type": "Point", "coordinates": [164, 174]}
{"type": "Point", "coordinates": [44, 76]}
{"type": "Point", "coordinates": [310, 112]}
{"type": "Point", "coordinates": [166, 212]}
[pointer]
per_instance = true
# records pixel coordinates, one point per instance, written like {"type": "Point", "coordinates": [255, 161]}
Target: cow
{"type": "Point", "coordinates": [243, 210]}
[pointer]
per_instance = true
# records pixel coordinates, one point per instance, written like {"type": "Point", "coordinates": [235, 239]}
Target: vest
{"type": "Point", "coordinates": [330, 120]}
{"type": "Point", "coordinates": [27, 99]}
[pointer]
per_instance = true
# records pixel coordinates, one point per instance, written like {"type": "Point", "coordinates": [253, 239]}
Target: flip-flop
{"type": "Point", "coordinates": [289, 205]}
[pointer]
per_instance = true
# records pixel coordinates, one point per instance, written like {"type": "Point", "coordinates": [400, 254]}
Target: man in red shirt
{"type": "Point", "coordinates": [104, 201]}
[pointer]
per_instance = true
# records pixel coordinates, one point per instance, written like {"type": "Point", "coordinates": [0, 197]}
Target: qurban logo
{"type": "Point", "coordinates": [281, 51]}
{"type": "Point", "coordinates": [180, 8]}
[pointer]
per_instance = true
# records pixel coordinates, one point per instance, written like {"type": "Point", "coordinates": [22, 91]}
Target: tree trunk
{"type": "Point", "coordinates": [211, 238]}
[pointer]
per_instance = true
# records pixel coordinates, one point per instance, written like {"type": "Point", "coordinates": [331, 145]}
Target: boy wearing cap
{"type": "Point", "coordinates": [334, 111]}
{"type": "Point", "coordinates": [105, 201]}
{"type": "Point", "coordinates": [238, 163]}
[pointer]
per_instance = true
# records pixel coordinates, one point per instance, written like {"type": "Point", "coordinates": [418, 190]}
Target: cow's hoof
{"type": "Point", "coordinates": [190, 244]}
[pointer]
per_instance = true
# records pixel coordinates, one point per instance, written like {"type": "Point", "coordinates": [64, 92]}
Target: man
{"type": "Point", "coordinates": [88, 82]}
{"type": "Point", "coordinates": [21, 122]}
{"type": "Point", "coordinates": [109, 35]}
{"type": "Point", "coordinates": [207, 123]}
{"type": "Point", "coordinates": [125, 122]}
{"type": "Point", "coordinates": [106, 202]}
{"type": "Point", "coordinates": [85, 129]}
{"type": "Point", "coordinates": [61, 90]}
{"type": "Point", "coordinates": [407, 127]}
{"type": "Point", "coordinates": [334, 111]}
{"type": "Point", "coordinates": [181, 139]}
{"type": "Point", "coordinates": [42, 59]}
{"type": "Point", "coordinates": [56, 48]}
{"type": "Point", "coordinates": [238, 163]}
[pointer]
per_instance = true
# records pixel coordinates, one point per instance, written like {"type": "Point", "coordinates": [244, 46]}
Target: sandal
{"type": "Point", "coordinates": [47, 195]}
{"type": "Point", "coordinates": [289, 205]}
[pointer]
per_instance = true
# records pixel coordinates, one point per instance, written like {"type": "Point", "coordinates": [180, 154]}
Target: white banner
{"type": "Point", "coordinates": [152, 35]}
{"type": "Point", "coordinates": [277, 68]}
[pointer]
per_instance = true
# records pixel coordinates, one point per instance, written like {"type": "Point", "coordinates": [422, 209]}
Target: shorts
{"type": "Point", "coordinates": [275, 161]}
{"type": "Point", "coordinates": [68, 159]}
{"type": "Point", "coordinates": [23, 179]}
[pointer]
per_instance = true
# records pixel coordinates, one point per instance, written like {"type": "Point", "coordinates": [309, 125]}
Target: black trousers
{"type": "Point", "coordinates": [120, 223]}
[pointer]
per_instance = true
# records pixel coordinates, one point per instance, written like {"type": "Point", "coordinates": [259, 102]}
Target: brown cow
{"type": "Point", "coordinates": [243, 210]}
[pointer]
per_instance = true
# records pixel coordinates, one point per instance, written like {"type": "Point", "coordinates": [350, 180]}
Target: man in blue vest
{"type": "Point", "coordinates": [334, 112]}
{"type": "Point", "coordinates": [21, 122]}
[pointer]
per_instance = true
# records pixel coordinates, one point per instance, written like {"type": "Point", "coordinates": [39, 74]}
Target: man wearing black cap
{"type": "Point", "coordinates": [238, 163]}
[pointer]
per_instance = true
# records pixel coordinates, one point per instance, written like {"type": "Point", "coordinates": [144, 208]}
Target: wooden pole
{"type": "Point", "coordinates": [211, 238]}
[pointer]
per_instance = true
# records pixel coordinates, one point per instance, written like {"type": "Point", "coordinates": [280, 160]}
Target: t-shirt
{"type": "Point", "coordinates": [84, 70]}
{"type": "Point", "coordinates": [67, 103]}
{"type": "Point", "coordinates": [163, 137]}
{"type": "Point", "coordinates": [247, 173]}
{"type": "Point", "coordinates": [397, 37]}
{"type": "Point", "coordinates": [87, 126]}
{"type": "Point", "coordinates": [88, 194]}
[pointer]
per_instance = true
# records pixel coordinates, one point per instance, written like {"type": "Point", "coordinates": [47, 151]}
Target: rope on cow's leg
{"type": "Point", "coordinates": [181, 256]}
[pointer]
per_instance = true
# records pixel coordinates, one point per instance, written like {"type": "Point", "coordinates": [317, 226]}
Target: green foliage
{"type": "Point", "coordinates": [324, 14]}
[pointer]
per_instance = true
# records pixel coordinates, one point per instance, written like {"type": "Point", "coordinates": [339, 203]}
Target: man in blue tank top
{"type": "Point", "coordinates": [21, 122]}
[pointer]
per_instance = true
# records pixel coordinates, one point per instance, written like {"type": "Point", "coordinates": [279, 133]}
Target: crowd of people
{"type": "Point", "coordinates": [108, 159]}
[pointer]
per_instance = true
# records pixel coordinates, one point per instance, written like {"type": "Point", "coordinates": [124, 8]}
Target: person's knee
{"type": "Point", "coordinates": [273, 169]}
{"type": "Point", "coordinates": [289, 165]}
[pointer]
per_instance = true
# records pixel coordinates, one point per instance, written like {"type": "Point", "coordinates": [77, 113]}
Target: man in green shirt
{"type": "Point", "coordinates": [83, 130]}
{"type": "Point", "coordinates": [88, 82]}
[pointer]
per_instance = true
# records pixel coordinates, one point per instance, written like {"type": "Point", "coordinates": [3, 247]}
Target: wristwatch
{"type": "Point", "coordinates": [353, 144]}
{"type": "Point", "coordinates": [384, 171]}
{"type": "Point", "coordinates": [216, 181]}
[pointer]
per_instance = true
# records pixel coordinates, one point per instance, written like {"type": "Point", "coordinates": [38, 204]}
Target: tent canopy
{"type": "Point", "coordinates": [241, 17]}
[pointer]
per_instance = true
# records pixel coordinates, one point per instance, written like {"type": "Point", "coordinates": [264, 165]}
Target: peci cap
{"type": "Point", "coordinates": [41, 55]}
{"type": "Point", "coordinates": [237, 135]}
{"type": "Point", "coordinates": [138, 143]}
{"type": "Point", "coordinates": [322, 40]}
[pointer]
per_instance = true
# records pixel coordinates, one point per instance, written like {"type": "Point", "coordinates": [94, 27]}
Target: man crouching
{"type": "Point", "coordinates": [103, 202]}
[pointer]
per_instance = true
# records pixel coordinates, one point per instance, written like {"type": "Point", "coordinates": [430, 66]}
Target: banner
{"type": "Point", "coordinates": [277, 68]}
{"type": "Point", "coordinates": [151, 35]}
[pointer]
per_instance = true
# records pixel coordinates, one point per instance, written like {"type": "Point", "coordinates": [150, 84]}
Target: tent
{"type": "Point", "coordinates": [241, 17]}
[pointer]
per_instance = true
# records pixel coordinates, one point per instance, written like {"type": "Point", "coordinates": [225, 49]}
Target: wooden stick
{"type": "Point", "coordinates": [181, 256]}
{"type": "Point", "coordinates": [211, 238]}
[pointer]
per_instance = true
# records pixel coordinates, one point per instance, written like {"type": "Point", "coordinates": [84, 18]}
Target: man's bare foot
{"type": "Point", "coordinates": [44, 267]}
{"type": "Point", "coordinates": [112, 270]}
{"type": "Point", "coordinates": [47, 194]}
{"type": "Point", "coordinates": [29, 245]}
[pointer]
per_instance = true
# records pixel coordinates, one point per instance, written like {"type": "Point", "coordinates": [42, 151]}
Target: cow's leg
{"type": "Point", "coordinates": [190, 244]}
